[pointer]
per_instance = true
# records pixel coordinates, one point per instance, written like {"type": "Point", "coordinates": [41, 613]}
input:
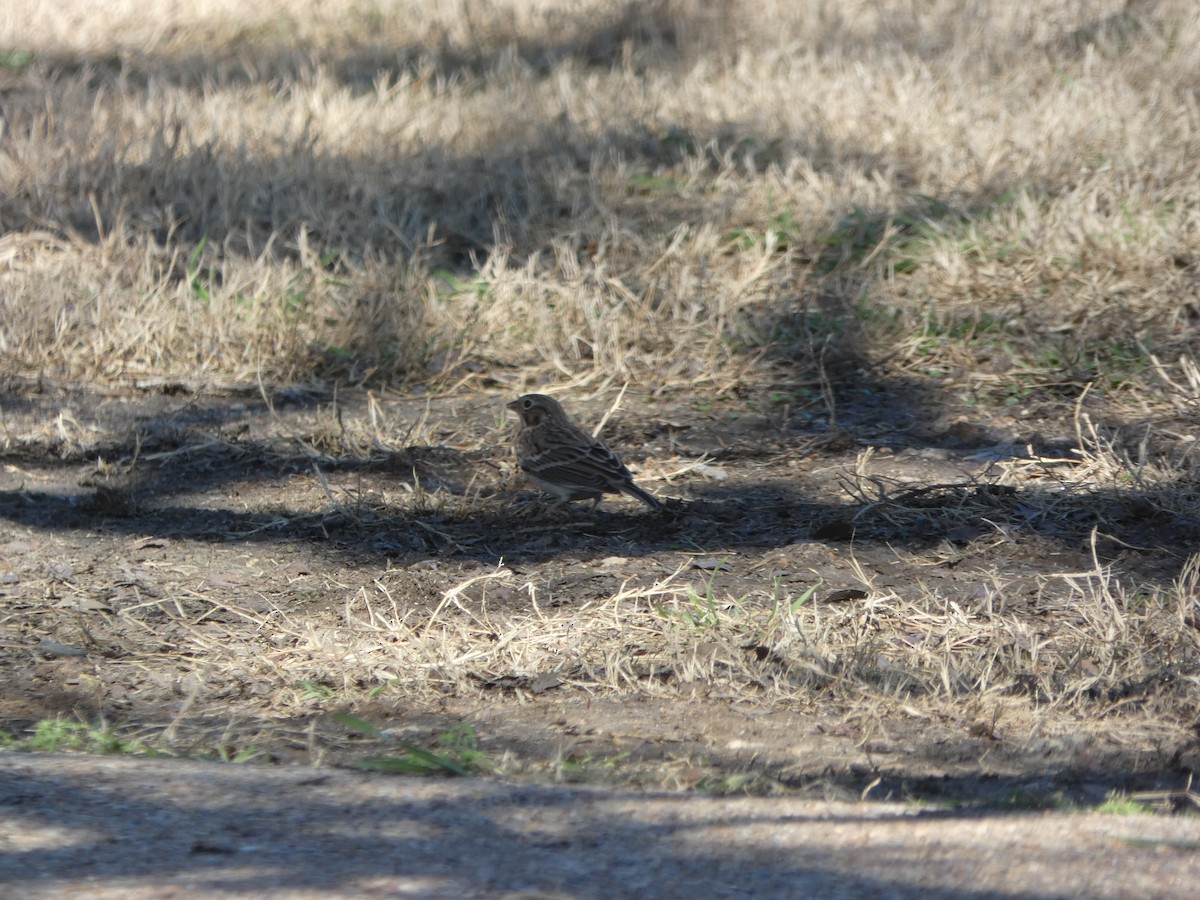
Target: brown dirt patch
{"type": "Point", "coordinates": [216, 577]}
{"type": "Point", "coordinates": [83, 826]}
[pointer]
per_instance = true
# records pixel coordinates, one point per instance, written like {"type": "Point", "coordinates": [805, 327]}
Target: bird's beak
{"type": "Point", "coordinates": [511, 404]}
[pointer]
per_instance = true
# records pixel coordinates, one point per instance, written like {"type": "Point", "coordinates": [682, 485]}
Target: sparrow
{"type": "Point", "coordinates": [564, 460]}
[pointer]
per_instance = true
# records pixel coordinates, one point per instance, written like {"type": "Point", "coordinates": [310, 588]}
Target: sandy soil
{"type": "Point", "coordinates": [94, 827]}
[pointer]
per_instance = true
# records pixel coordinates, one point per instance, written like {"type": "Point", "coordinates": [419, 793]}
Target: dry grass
{"type": "Point", "coordinates": [984, 206]}
{"type": "Point", "coordinates": [653, 192]}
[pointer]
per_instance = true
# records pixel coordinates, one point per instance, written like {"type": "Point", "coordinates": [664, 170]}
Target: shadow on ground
{"type": "Point", "coordinates": [138, 470]}
{"type": "Point", "coordinates": [231, 829]}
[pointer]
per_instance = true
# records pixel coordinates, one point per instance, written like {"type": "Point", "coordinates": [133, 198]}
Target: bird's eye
{"type": "Point", "coordinates": [526, 404]}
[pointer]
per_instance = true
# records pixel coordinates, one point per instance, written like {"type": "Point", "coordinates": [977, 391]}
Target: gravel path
{"type": "Point", "coordinates": [134, 828]}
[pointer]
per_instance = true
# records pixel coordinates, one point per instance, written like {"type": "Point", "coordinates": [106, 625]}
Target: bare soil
{"type": "Point", "coordinates": [122, 828]}
{"type": "Point", "coordinates": [185, 569]}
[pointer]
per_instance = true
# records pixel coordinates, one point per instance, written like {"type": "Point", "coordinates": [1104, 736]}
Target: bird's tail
{"type": "Point", "coordinates": [649, 499]}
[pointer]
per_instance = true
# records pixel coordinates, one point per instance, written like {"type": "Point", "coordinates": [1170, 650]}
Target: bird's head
{"type": "Point", "coordinates": [536, 408]}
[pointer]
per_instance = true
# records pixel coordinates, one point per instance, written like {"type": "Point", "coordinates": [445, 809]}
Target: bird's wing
{"type": "Point", "coordinates": [591, 468]}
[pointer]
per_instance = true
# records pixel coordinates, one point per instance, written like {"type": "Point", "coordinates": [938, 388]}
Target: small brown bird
{"type": "Point", "coordinates": [565, 461]}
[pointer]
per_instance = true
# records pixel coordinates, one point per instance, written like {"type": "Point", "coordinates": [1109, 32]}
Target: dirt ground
{"type": "Point", "coordinates": [178, 568]}
{"type": "Point", "coordinates": [105, 827]}
{"type": "Point", "coordinates": [183, 572]}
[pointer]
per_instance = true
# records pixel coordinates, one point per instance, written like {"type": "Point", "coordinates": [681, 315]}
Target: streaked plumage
{"type": "Point", "coordinates": [565, 461]}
